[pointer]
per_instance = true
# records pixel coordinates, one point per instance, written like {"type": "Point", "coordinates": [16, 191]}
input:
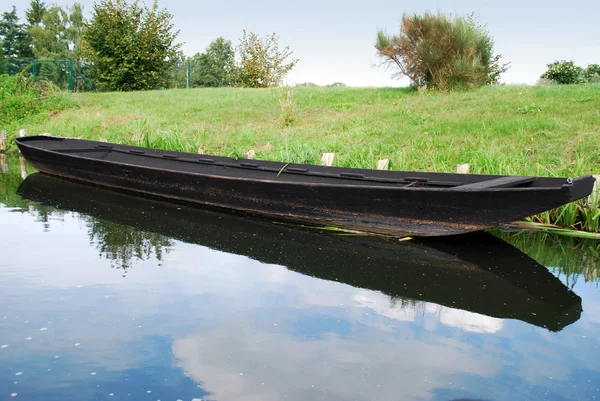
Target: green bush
{"type": "Point", "coordinates": [441, 52]}
{"type": "Point", "coordinates": [564, 72]}
{"type": "Point", "coordinates": [592, 73]}
{"type": "Point", "coordinates": [22, 97]}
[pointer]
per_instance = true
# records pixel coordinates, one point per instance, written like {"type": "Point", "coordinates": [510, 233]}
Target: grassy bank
{"type": "Point", "coordinates": [547, 131]}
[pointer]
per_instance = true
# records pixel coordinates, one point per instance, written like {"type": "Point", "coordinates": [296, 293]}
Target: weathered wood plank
{"type": "Point", "coordinates": [383, 164]}
{"type": "Point", "coordinates": [327, 159]}
{"type": "Point", "coordinates": [462, 168]}
{"type": "Point", "coordinates": [502, 182]}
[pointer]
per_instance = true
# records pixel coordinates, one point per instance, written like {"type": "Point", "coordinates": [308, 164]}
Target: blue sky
{"type": "Point", "coordinates": [334, 39]}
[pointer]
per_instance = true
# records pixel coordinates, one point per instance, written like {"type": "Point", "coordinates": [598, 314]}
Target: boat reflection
{"type": "Point", "coordinates": [477, 272]}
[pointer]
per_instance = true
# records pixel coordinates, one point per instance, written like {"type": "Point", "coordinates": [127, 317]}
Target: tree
{"type": "Point", "coordinates": [15, 40]}
{"type": "Point", "coordinates": [132, 47]}
{"type": "Point", "coordinates": [592, 73]}
{"type": "Point", "coordinates": [262, 64]}
{"type": "Point", "coordinates": [564, 72]}
{"type": "Point", "coordinates": [49, 37]}
{"type": "Point", "coordinates": [35, 13]}
{"type": "Point", "coordinates": [441, 52]}
{"type": "Point", "coordinates": [216, 66]}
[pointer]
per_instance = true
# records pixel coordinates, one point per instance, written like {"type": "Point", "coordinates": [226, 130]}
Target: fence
{"type": "Point", "coordinates": [64, 73]}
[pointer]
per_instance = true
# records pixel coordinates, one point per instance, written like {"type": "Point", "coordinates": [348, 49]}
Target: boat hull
{"type": "Point", "coordinates": [474, 272]}
{"type": "Point", "coordinates": [381, 209]}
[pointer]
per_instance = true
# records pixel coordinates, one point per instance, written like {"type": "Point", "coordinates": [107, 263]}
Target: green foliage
{"type": "Point", "coordinates": [216, 66]}
{"type": "Point", "coordinates": [564, 72]}
{"type": "Point", "coordinates": [286, 103]}
{"type": "Point", "coordinates": [35, 13]}
{"type": "Point", "coordinates": [441, 52]}
{"type": "Point", "coordinates": [529, 108]}
{"type": "Point", "coordinates": [15, 42]}
{"type": "Point", "coordinates": [262, 64]}
{"type": "Point", "coordinates": [22, 97]}
{"type": "Point", "coordinates": [132, 47]}
{"type": "Point", "coordinates": [592, 73]}
{"type": "Point", "coordinates": [56, 37]}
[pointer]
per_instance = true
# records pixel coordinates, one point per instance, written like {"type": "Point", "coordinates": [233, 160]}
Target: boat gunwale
{"type": "Point", "coordinates": [22, 141]}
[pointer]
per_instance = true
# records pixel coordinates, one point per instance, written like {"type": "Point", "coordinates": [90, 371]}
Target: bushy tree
{"type": "Point", "coordinates": [592, 73]}
{"type": "Point", "coordinates": [35, 13]}
{"type": "Point", "coordinates": [216, 66]}
{"type": "Point", "coordinates": [261, 63]}
{"type": "Point", "coordinates": [564, 72]}
{"type": "Point", "coordinates": [15, 41]}
{"type": "Point", "coordinates": [132, 47]}
{"type": "Point", "coordinates": [441, 52]}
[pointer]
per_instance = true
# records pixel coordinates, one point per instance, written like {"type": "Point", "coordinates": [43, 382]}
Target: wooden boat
{"type": "Point", "coordinates": [474, 272]}
{"type": "Point", "coordinates": [393, 203]}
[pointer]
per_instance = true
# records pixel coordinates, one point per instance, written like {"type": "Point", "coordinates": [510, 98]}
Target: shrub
{"type": "Point", "coordinates": [441, 52]}
{"type": "Point", "coordinates": [262, 64]}
{"type": "Point", "coordinates": [564, 72]}
{"type": "Point", "coordinates": [21, 97]}
{"type": "Point", "coordinates": [592, 73]}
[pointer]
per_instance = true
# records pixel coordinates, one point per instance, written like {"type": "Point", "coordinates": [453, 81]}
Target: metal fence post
{"type": "Point", "coordinates": [71, 75]}
{"type": "Point", "coordinates": [188, 73]}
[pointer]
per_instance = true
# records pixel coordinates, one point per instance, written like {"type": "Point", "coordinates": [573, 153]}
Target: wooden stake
{"type": "Point", "coordinates": [383, 164]}
{"type": "Point", "coordinates": [251, 153]}
{"type": "Point", "coordinates": [2, 141]}
{"type": "Point", "coordinates": [462, 168]}
{"type": "Point", "coordinates": [327, 159]}
{"type": "Point", "coordinates": [23, 166]}
{"type": "Point", "coordinates": [3, 163]}
{"type": "Point", "coordinates": [22, 132]}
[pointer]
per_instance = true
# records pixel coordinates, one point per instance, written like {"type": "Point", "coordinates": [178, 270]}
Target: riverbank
{"type": "Point", "coordinates": [543, 131]}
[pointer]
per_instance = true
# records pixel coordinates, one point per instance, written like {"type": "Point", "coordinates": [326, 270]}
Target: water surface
{"type": "Point", "coordinates": [106, 296]}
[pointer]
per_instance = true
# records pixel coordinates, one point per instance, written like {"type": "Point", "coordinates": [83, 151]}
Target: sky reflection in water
{"type": "Point", "coordinates": [206, 324]}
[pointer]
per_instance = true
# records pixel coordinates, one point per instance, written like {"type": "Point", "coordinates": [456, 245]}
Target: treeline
{"type": "Point", "coordinates": [566, 72]}
{"type": "Point", "coordinates": [128, 46]}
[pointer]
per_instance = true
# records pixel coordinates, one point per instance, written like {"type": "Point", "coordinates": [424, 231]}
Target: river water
{"type": "Point", "coordinates": [105, 296]}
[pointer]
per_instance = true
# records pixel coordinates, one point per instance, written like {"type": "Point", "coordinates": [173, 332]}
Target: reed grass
{"type": "Point", "coordinates": [571, 258]}
{"type": "Point", "coordinates": [543, 131]}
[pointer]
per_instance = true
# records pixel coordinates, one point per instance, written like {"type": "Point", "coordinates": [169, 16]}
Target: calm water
{"type": "Point", "coordinates": [104, 296]}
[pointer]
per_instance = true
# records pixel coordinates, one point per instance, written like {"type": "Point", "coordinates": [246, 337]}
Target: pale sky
{"type": "Point", "coordinates": [334, 39]}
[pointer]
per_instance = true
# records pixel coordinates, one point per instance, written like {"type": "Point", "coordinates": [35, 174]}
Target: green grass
{"type": "Point", "coordinates": [544, 131]}
{"type": "Point", "coordinates": [573, 258]}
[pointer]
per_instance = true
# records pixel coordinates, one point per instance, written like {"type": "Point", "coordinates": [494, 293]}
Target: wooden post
{"type": "Point", "coordinates": [327, 159]}
{"type": "Point", "coordinates": [462, 168]}
{"type": "Point", "coordinates": [23, 166]}
{"type": "Point", "coordinates": [383, 164]}
{"type": "Point", "coordinates": [22, 132]}
{"type": "Point", "coordinates": [2, 141]}
{"type": "Point", "coordinates": [3, 163]}
{"type": "Point", "coordinates": [251, 153]}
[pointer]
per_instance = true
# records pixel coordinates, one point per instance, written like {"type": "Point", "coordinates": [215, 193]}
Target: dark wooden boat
{"type": "Point", "coordinates": [474, 272]}
{"type": "Point", "coordinates": [393, 203]}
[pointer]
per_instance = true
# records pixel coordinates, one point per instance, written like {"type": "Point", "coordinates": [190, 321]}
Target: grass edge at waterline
{"type": "Point", "coordinates": [496, 130]}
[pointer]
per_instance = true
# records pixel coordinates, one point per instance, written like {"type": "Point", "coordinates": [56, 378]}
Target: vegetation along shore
{"type": "Point", "coordinates": [135, 86]}
{"type": "Point", "coordinates": [518, 130]}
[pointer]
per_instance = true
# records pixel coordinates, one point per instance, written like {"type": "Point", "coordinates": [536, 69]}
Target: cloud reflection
{"type": "Point", "coordinates": [249, 363]}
